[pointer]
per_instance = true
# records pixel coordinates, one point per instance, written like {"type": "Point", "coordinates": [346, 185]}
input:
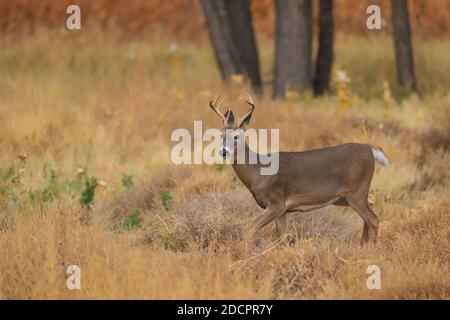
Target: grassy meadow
{"type": "Point", "coordinates": [86, 176]}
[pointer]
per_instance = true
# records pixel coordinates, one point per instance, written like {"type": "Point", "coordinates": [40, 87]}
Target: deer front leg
{"type": "Point", "coordinates": [281, 225]}
{"type": "Point", "coordinates": [269, 214]}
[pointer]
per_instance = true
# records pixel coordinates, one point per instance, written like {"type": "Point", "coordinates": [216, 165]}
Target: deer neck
{"type": "Point", "coordinates": [248, 173]}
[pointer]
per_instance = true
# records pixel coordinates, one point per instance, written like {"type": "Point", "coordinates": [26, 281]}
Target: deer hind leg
{"type": "Point", "coordinates": [374, 220]}
{"type": "Point", "coordinates": [361, 205]}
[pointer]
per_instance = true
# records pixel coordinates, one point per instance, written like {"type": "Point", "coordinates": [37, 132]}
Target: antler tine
{"type": "Point", "coordinates": [216, 107]}
{"type": "Point", "coordinates": [252, 107]}
{"type": "Point", "coordinates": [251, 100]}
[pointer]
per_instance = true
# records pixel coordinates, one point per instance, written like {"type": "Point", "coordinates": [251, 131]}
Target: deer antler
{"type": "Point", "coordinates": [252, 107]}
{"type": "Point", "coordinates": [216, 108]}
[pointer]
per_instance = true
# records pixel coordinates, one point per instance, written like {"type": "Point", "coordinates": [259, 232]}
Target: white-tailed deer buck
{"type": "Point", "coordinates": [305, 180]}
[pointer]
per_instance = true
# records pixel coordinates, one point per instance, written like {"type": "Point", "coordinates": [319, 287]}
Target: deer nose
{"type": "Point", "coordinates": [224, 152]}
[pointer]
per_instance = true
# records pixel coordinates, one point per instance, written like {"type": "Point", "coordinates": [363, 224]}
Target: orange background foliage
{"type": "Point", "coordinates": [183, 19]}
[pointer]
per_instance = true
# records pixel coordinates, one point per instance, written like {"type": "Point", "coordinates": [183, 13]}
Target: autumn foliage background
{"type": "Point", "coordinates": [182, 18]}
{"type": "Point", "coordinates": [86, 176]}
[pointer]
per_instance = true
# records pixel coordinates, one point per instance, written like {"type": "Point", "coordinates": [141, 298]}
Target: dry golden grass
{"type": "Point", "coordinates": [75, 106]}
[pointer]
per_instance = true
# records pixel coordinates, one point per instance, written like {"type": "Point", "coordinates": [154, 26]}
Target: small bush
{"type": "Point", "coordinates": [88, 193]}
{"type": "Point", "coordinates": [127, 180]}
{"type": "Point", "coordinates": [132, 221]}
{"type": "Point", "coordinates": [50, 192]}
{"type": "Point", "coordinates": [166, 198]}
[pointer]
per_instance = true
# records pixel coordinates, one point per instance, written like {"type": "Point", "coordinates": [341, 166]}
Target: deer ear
{"type": "Point", "coordinates": [230, 118]}
{"type": "Point", "coordinates": [245, 121]}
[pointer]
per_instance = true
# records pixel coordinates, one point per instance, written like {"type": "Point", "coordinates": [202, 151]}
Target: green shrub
{"type": "Point", "coordinates": [127, 180]}
{"type": "Point", "coordinates": [132, 221]}
{"type": "Point", "coordinates": [50, 191]}
{"type": "Point", "coordinates": [166, 198]}
{"type": "Point", "coordinates": [88, 193]}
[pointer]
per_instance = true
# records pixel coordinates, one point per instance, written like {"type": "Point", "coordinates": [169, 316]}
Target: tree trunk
{"type": "Point", "coordinates": [324, 61]}
{"type": "Point", "coordinates": [216, 20]}
{"type": "Point", "coordinates": [292, 46]}
{"type": "Point", "coordinates": [403, 47]}
{"type": "Point", "coordinates": [232, 35]}
{"type": "Point", "coordinates": [243, 36]}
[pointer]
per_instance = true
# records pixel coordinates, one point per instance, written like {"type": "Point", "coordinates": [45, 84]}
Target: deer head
{"type": "Point", "coordinates": [232, 135]}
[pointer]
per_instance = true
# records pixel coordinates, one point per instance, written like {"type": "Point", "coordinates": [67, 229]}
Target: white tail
{"type": "Point", "coordinates": [380, 156]}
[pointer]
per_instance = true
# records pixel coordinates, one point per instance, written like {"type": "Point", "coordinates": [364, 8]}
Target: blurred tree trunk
{"type": "Point", "coordinates": [233, 38]}
{"type": "Point", "coordinates": [214, 13]}
{"type": "Point", "coordinates": [324, 61]}
{"type": "Point", "coordinates": [243, 35]}
{"type": "Point", "coordinates": [292, 46]}
{"type": "Point", "coordinates": [403, 47]}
